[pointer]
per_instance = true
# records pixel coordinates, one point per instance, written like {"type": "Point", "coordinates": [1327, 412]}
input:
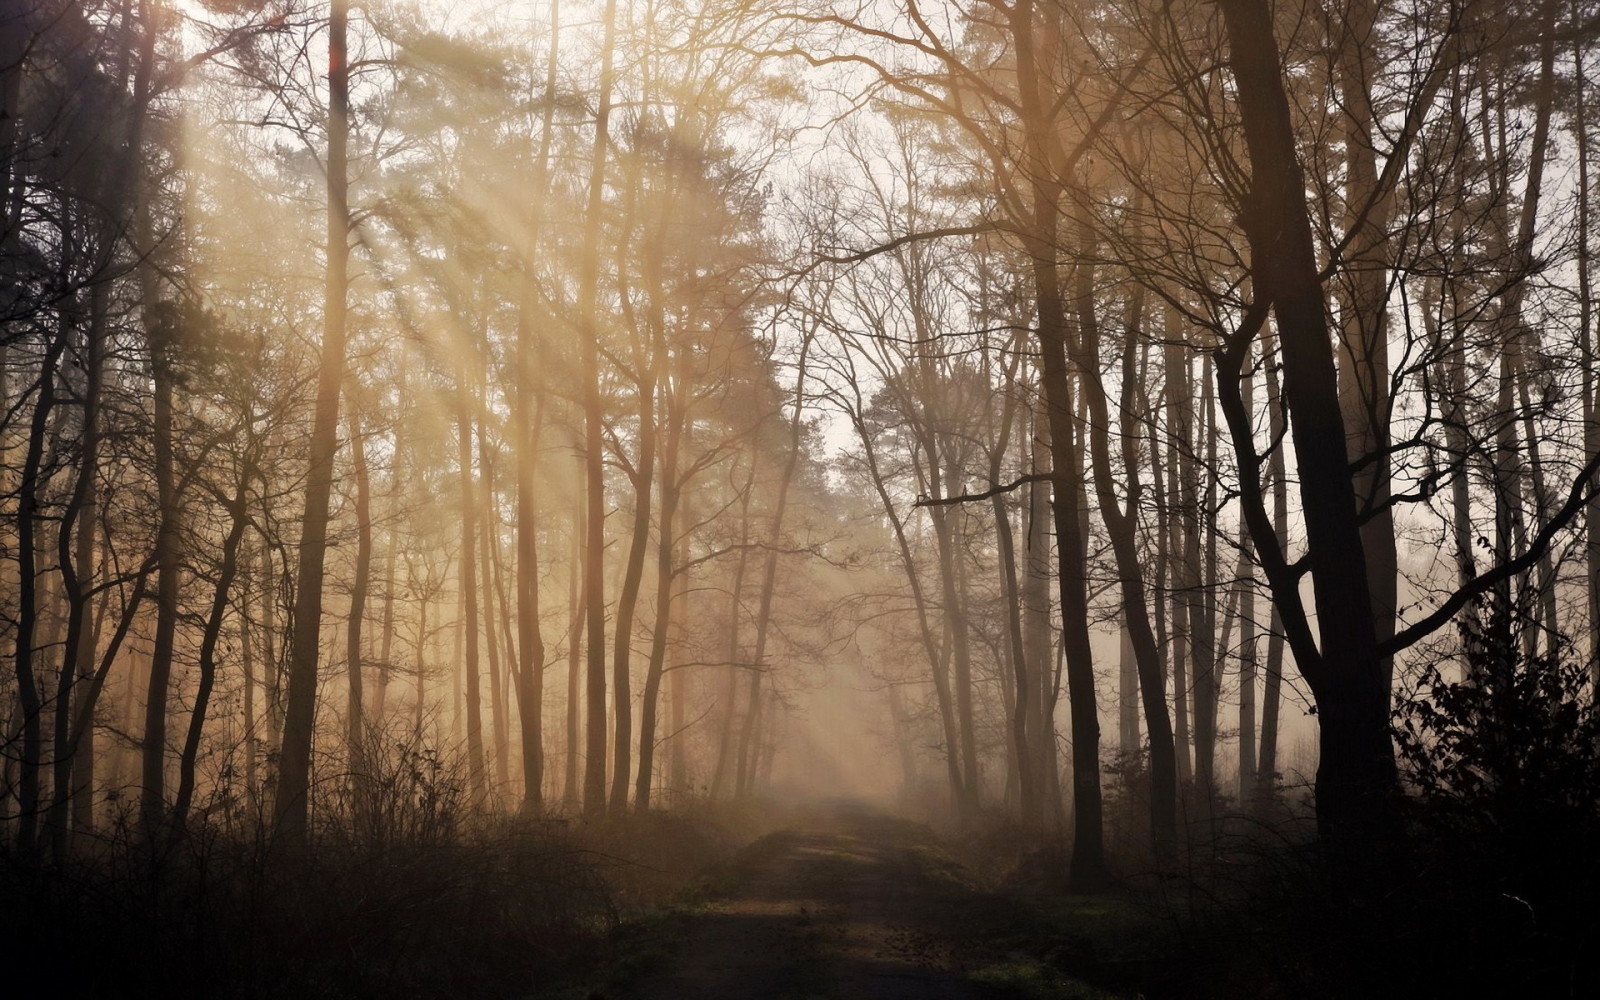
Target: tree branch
{"type": "Point", "coordinates": [1577, 500]}
{"type": "Point", "coordinates": [1034, 477]}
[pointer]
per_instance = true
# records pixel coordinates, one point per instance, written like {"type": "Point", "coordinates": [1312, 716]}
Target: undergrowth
{"type": "Point", "coordinates": [404, 890]}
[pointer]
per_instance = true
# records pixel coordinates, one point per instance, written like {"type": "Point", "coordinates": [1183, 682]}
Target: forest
{"type": "Point", "coordinates": [799, 498]}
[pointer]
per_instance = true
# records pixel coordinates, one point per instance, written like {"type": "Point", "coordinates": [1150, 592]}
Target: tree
{"type": "Point", "coordinates": [294, 781]}
{"type": "Point", "coordinates": [594, 781]}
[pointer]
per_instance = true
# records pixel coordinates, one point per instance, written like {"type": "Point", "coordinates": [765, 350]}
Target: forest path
{"type": "Point", "coordinates": [849, 905]}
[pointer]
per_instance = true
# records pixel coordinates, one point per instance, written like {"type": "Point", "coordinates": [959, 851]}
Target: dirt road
{"type": "Point", "coordinates": [850, 905]}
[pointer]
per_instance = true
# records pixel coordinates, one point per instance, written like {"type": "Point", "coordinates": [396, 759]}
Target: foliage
{"type": "Point", "coordinates": [1512, 749]}
{"type": "Point", "coordinates": [1501, 750]}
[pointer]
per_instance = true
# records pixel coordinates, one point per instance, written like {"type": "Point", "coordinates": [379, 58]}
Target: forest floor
{"type": "Point", "coordinates": [836, 901]}
{"type": "Point", "coordinates": [852, 903]}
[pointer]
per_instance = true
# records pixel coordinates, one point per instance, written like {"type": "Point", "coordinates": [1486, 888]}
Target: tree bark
{"type": "Point", "coordinates": [153, 758]}
{"type": "Point", "coordinates": [420, 721]}
{"type": "Point", "coordinates": [380, 699]}
{"type": "Point", "coordinates": [1356, 778]}
{"type": "Point", "coordinates": [1180, 524]}
{"type": "Point", "coordinates": [1122, 527]}
{"type": "Point", "coordinates": [468, 582]}
{"type": "Point", "coordinates": [594, 781]}
{"type": "Point", "coordinates": [29, 698]}
{"type": "Point", "coordinates": [628, 595]}
{"type": "Point", "coordinates": [1087, 869]}
{"type": "Point", "coordinates": [1200, 562]}
{"type": "Point", "coordinates": [720, 776]}
{"type": "Point", "coordinates": [73, 779]}
{"type": "Point", "coordinates": [221, 594]}
{"type": "Point", "coordinates": [1039, 647]}
{"type": "Point", "coordinates": [530, 633]}
{"type": "Point", "coordinates": [355, 723]}
{"type": "Point", "coordinates": [1586, 340]}
{"type": "Point", "coordinates": [1247, 629]}
{"type": "Point", "coordinates": [1020, 751]}
{"type": "Point", "coordinates": [572, 790]}
{"type": "Point", "coordinates": [247, 662]}
{"type": "Point", "coordinates": [666, 598]}
{"type": "Point", "coordinates": [1272, 683]}
{"type": "Point", "coordinates": [500, 740]}
{"type": "Point", "coordinates": [1364, 380]}
{"type": "Point", "coordinates": [294, 779]}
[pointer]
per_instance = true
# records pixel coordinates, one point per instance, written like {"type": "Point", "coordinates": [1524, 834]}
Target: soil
{"type": "Point", "coordinates": [848, 904]}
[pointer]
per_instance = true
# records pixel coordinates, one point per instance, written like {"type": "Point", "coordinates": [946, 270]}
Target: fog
{"type": "Point", "coordinates": [731, 498]}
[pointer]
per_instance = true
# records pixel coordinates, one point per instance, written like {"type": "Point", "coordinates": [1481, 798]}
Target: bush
{"type": "Point", "coordinates": [1503, 761]}
{"type": "Point", "coordinates": [403, 892]}
{"type": "Point", "coordinates": [1510, 751]}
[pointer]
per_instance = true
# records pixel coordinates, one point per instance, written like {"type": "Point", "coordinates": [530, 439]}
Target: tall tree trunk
{"type": "Point", "coordinates": [1272, 683]}
{"type": "Point", "coordinates": [1122, 527]}
{"type": "Point", "coordinates": [594, 781]}
{"type": "Point", "coordinates": [936, 653]}
{"type": "Point", "coordinates": [721, 775]}
{"type": "Point", "coordinates": [954, 692]}
{"type": "Point", "coordinates": [1127, 698]}
{"type": "Point", "coordinates": [1356, 777]}
{"type": "Point", "coordinates": [468, 622]}
{"type": "Point", "coordinates": [1544, 581]}
{"type": "Point", "coordinates": [1247, 629]}
{"type": "Point", "coordinates": [380, 699]}
{"type": "Point", "coordinates": [769, 578]}
{"type": "Point", "coordinates": [766, 748]}
{"type": "Point", "coordinates": [577, 614]}
{"type": "Point", "coordinates": [29, 697]}
{"type": "Point", "coordinates": [1201, 590]}
{"type": "Point", "coordinates": [1446, 335]}
{"type": "Point", "coordinates": [1364, 381]}
{"type": "Point", "coordinates": [272, 665]}
{"type": "Point", "coordinates": [678, 776]}
{"type": "Point", "coordinates": [530, 632]}
{"type": "Point", "coordinates": [1020, 752]}
{"type": "Point", "coordinates": [73, 778]}
{"type": "Point", "coordinates": [1161, 601]}
{"type": "Point", "coordinates": [419, 723]}
{"type": "Point", "coordinates": [153, 758]}
{"type": "Point", "coordinates": [903, 738]}
{"type": "Point", "coordinates": [1518, 342]}
{"type": "Point", "coordinates": [501, 742]}
{"type": "Point", "coordinates": [272, 651]}
{"type": "Point", "coordinates": [355, 723]}
{"type": "Point", "coordinates": [1586, 340]}
{"type": "Point", "coordinates": [666, 598]}
{"type": "Point", "coordinates": [961, 659]}
{"type": "Point", "coordinates": [75, 752]}
{"type": "Point", "coordinates": [294, 780]}
{"type": "Point", "coordinates": [162, 332]}
{"type": "Point", "coordinates": [247, 661]}
{"type": "Point", "coordinates": [1180, 523]}
{"type": "Point", "coordinates": [244, 740]}
{"type": "Point", "coordinates": [457, 667]}
{"type": "Point", "coordinates": [505, 618]}
{"type": "Point", "coordinates": [1087, 870]}
{"type": "Point", "coordinates": [628, 596]}
{"type": "Point", "coordinates": [1039, 647]}
{"type": "Point", "coordinates": [221, 594]}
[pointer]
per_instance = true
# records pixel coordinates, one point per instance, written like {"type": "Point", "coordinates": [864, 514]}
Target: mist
{"type": "Point", "coordinates": [745, 498]}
